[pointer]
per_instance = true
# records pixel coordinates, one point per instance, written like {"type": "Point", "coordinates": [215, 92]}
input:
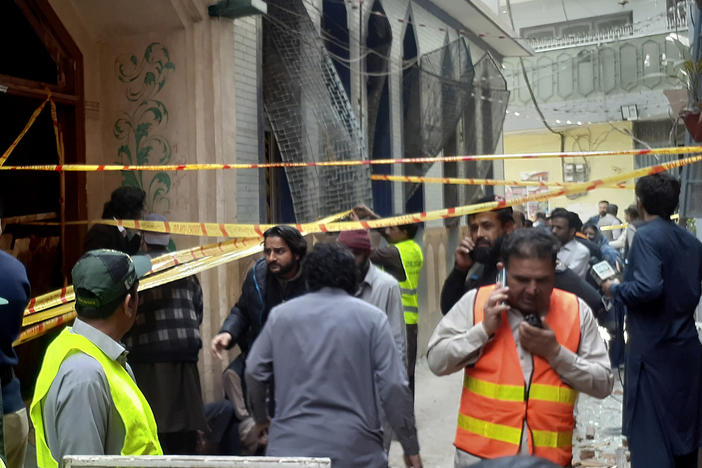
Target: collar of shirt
{"type": "Point", "coordinates": [368, 280]}
{"type": "Point", "coordinates": [106, 344]}
{"type": "Point", "coordinates": [570, 245]}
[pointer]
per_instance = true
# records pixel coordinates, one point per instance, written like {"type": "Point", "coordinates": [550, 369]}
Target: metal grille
{"type": "Point", "coordinates": [310, 115]}
{"type": "Point", "coordinates": [487, 115]}
{"type": "Point", "coordinates": [441, 85]}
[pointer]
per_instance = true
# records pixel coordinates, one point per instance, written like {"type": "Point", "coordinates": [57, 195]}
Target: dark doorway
{"type": "Point", "coordinates": [378, 42]}
{"type": "Point", "coordinates": [42, 56]}
{"type": "Point", "coordinates": [414, 193]}
{"type": "Point", "coordinates": [279, 204]}
{"type": "Point", "coordinates": [335, 32]}
{"type": "Point", "coordinates": [39, 54]}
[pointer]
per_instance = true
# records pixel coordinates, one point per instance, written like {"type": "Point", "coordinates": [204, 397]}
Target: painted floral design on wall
{"type": "Point", "coordinates": [140, 128]}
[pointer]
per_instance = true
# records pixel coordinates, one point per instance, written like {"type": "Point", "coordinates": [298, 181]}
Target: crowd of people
{"type": "Point", "coordinates": [327, 341]}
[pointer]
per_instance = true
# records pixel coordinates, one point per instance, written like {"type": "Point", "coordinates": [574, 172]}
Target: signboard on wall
{"type": "Point", "coordinates": [530, 208]}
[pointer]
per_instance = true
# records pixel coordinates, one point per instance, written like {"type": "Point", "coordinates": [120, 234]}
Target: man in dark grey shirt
{"type": "Point", "coordinates": [85, 400]}
{"type": "Point", "coordinates": [334, 363]}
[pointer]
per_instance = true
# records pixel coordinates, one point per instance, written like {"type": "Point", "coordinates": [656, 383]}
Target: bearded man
{"type": "Point", "coordinates": [477, 254]}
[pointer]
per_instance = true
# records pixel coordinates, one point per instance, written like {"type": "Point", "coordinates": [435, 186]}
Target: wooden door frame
{"type": "Point", "coordinates": [69, 91]}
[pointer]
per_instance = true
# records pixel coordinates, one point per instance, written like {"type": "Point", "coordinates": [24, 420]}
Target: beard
{"type": "Point", "coordinates": [283, 269]}
{"type": "Point", "coordinates": [488, 255]}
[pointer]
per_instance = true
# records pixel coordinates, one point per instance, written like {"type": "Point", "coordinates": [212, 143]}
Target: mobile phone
{"type": "Point", "coordinates": [601, 272]}
{"type": "Point", "coordinates": [502, 278]}
{"type": "Point", "coordinates": [533, 320]}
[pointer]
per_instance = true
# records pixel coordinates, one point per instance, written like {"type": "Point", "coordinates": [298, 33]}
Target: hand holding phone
{"type": "Point", "coordinates": [502, 278]}
{"type": "Point", "coordinates": [533, 320]}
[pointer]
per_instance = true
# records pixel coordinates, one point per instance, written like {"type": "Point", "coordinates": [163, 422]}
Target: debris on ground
{"type": "Point", "coordinates": [597, 440]}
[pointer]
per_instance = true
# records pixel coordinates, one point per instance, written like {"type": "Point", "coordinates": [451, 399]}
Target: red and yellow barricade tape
{"type": "Point", "coordinates": [55, 308]}
{"type": "Point", "coordinates": [624, 225]}
{"type": "Point", "coordinates": [252, 230]}
{"type": "Point", "coordinates": [26, 128]}
{"type": "Point", "coordinates": [65, 295]}
{"type": "Point", "coordinates": [363, 162]}
{"type": "Point", "coordinates": [458, 181]}
{"type": "Point", "coordinates": [41, 322]}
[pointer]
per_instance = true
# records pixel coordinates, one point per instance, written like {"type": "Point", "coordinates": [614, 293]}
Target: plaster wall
{"type": "Point", "coordinates": [591, 138]}
{"type": "Point", "coordinates": [648, 15]}
{"type": "Point", "coordinates": [198, 105]}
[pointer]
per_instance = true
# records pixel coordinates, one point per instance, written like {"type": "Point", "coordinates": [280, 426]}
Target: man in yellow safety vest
{"type": "Point", "coordinates": [86, 401]}
{"type": "Point", "coordinates": [402, 237]}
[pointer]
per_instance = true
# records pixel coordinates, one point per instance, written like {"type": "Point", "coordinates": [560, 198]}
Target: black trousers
{"type": "Point", "coordinates": [411, 353]}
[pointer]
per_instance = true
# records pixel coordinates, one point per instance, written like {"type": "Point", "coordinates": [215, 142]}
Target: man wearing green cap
{"type": "Point", "coordinates": [86, 401]}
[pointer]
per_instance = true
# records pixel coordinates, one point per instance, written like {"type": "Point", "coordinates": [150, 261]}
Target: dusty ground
{"type": "Point", "coordinates": [436, 406]}
{"type": "Point", "coordinates": [436, 410]}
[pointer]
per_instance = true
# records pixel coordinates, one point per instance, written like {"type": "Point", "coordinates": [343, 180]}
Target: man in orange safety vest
{"type": "Point", "coordinates": [527, 349]}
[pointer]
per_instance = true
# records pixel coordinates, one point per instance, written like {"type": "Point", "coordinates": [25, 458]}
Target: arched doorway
{"type": "Point", "coordinates": [378, 42]}
{"type": "Point", "coordinates": [411, 116]}
{"type": "Point", "coordinates": [335, 32]}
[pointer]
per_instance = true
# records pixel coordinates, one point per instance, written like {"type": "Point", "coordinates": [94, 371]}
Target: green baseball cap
{"type": "Point", "coordinates": [101, 277]}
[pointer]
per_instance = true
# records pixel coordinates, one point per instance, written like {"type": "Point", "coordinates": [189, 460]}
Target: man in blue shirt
{"type": "Point", "coordinates": [14, 295]}
{"type": "Point", "coordinates": [661, 289]}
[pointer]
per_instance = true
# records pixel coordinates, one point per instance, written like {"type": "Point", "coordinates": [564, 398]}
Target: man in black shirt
{"type": "Point", "coordinates": [477, 254]}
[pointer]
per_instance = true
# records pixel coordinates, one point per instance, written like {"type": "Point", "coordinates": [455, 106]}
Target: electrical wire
{"type": "Point", "coordinates": [332, 39]}
{"type": "Point", "coordinates": [531, 91]}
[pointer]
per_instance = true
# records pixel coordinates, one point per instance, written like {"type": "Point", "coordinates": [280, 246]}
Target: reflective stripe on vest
{"type": "Point", "coordinates": [140, 427]}
{"type": "Point", "coordinates": [494, 403]}
{"type": "Point", "coordinates": [412, 260]}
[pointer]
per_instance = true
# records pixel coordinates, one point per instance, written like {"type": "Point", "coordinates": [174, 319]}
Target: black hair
{"type": "Point", "coordinates": [562, 213]}
{"type": "Point", "coordinates": [590, 225]}
{"type": "Point", "coordinates": [291, 236]}
{"type": "Point", "coordinates": [575, 221]}
{"type": "Point", "coordinates": [612, 209]}
{"type": "Point", "coordinates": [632, 211]}
{"type": "Point", "coordinates": [410, 229]}
{"type": "Point", "coordinates": [105, 310]}
{"type": "Point", "coordinates": [530, 243]}
{"type": "Point", "coordinates": [125, 203]}
{"type": "Point", "coordinates": [330, 265]}
{"type": "Point", "coordinates": [603, 201]}
{"type": "Point", "coordinates": [505, 215]}
{"type": "Point", "coordinates": [659, 194]}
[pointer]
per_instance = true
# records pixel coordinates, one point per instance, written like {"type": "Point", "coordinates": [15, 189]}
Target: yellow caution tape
{"type": "Point", "coordinates": [362, 162]}
{"type": "Point", "coordinates": [65, 295]}
{"type": "Point", "coordinates": [26, 128]}
{"type": "Point", "coordinates": [456, 181]}
{"type": "Point", "coordinates": [252, 230]}
{"type": "Point", "coordinates": [624, 225]}
{"type": "Point", "coordinates": [49, 307]}
{"type": "Point", "coordinates": [49, 318]}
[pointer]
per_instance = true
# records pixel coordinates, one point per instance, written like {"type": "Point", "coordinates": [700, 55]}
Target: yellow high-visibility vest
{"type": "Point", "coordinates": [412, 260]}
{"type": "Point", "coordinates": [140, 438]}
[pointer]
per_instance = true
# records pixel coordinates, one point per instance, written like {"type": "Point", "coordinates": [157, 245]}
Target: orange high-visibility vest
{"type": "Point", "coordinates": [495, 402]}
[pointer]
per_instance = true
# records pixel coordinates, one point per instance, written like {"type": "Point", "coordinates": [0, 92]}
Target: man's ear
{"type": "Point", "coordinates": [130, 305]}
{"type": "Point", "coordinates": [508, 227]}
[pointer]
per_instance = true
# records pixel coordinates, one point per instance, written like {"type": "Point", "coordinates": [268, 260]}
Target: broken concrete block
{"type": "Point", "coordinates": [590, 432]}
